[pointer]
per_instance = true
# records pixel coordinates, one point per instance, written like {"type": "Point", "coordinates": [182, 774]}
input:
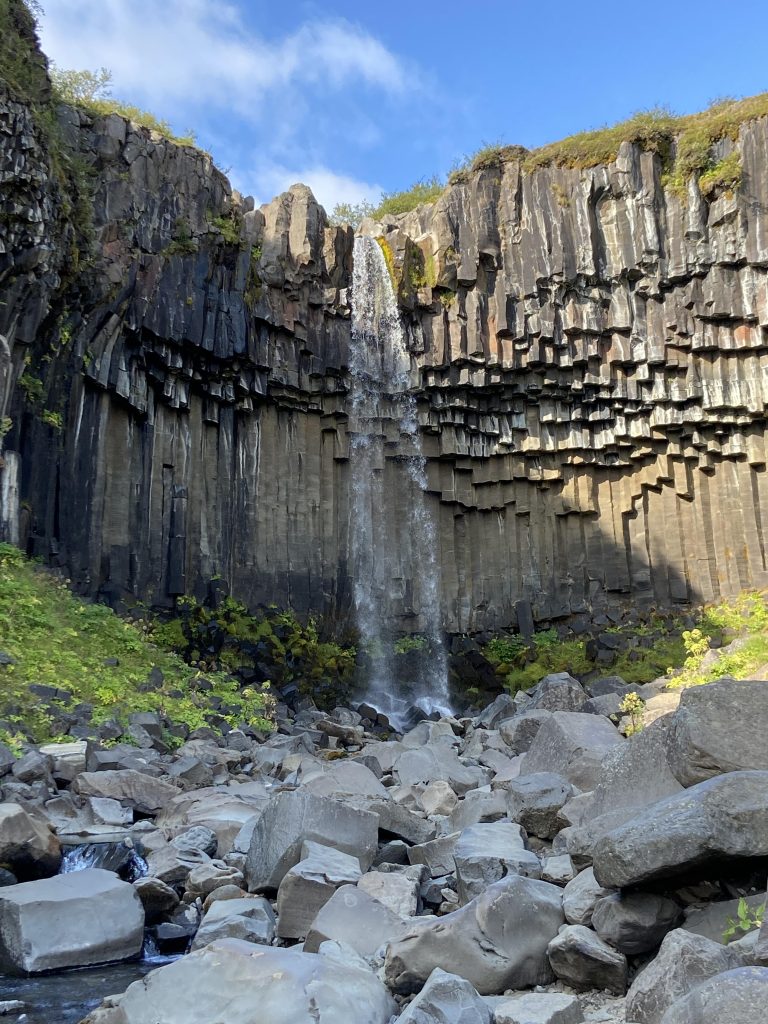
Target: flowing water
{"type": "Point", "coordinates": [390, 521]}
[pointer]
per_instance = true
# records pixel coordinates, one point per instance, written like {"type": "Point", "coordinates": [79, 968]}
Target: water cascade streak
{"type": "Point", "coordinates": [393, 539]}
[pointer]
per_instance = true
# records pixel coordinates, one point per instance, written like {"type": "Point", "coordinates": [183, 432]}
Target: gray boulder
{"type": "Point", "coordinates": [437, 855]}
{"type": "Point", "coordinates": [739, 996]}
{"type": "Point", "coordinates": [478, 805]}
{"type": "Point", "coordinates": [582, 960]}
{"type": "Point", "coordinates": [395, 889]}
{"type": "Point", "coordinates": [725, 817]}
{"type": "Point", "coordinates": [558, 870]}
{"type": "Point", "coordinates": [72, 920]}
{"type": "Point", "coordinates": [27, 845]}
{"type": "Point", "coordinates": [580, 897]}
{"type": "Point", "coordinates": [519, 732]}
{"type": "Point", "coordinates": [537, 1008]}
{"type": "Point", "coordinates": [132, 788]}
{"type": "Point", "coordinates": [497, 941]}
{"type": "Point", "coordinates": [701, 740]}
{"type": "Point", "coordinates": [308, 886]}
{"type": "Point", "coordinates": [292, 818]}
{"type": "Point", "coordinates": [558, 692]}
{"type": "Point", "coordinates": [355, 919]}
{"type": "Point", "coordinates": [535, 802]}
{"type": "Point", "coordinates": [446, 999]}
{"type": "Point", "coordinates": [438, 762]}
{"type": "Point", "coordinates": [573, 745]}
{"type": "Point", "coordinates": [635, 922]}
{"type": "Point", "coordinates": [486, 853]}
{"type": "Point", "coordinates": [240, 983]}
{"type": "Point", "coordinates": [712, 919]}
{"type": "Point", "coordinates": [250, 919]}
{"type": "Point", "coordinates": [684, 961]}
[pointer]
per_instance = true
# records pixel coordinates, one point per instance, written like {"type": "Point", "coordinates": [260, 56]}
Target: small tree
{"type": "Point", "coordinates": [81, 86]}
{"type": "Point", "coordinates": [352, 213]}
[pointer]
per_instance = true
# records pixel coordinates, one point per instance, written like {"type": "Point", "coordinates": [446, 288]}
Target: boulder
{"type": "Point", "coordinates": [308, 886]}
{"type": "Point", "coordinates": [292, 818]}
{"type": "Point", "coordinates": [519, 732]}
{"type": "Point", "coordinates": [535, 801]}
{"type": "Point", "coordinates": [27, 845]}
{"type": "Point", "coordinates": [537, 1008]}
{"type": "Point", "coordinates": [573, 745]}
{"type": "Point", "coordinates": [250, 919]}
{"type": "Point", "coordinates": [684, 961]}
{"type": "Point", "coordinates": [497, 941]}
{"type": "Point", "coordinates": [353, 918]}
{"type": "Point", "coordinates": [712, 919]}
{"type": "Point", "coordinates": [437, 855]}
{"type": "Point", "coordinates": [739, 996]}
{"type": "Point", "coordinates": [401, 822]}
{"type": "Point", "coordinates": [702, 743]}
{"type": "Point", "coordinates": [212, 874]}
{"type": "Point", "coordinates": [435, 763]}
{"type": "Point", "coordinates": [558, 692]}
{"type": "Point", "coordinates": [478, 805]}
{"type": "Point", "coordinates": [486, 853]}
{"type": "Point", "coordinates": [87, 917]}
{"type": "Point", "coordinates": [395, 890]}
{"type": "Point", "coordinates": [240, 983]}
{"type": "Point", "coordinates": [558, 870]}
{"type": "Point", "coordinates": [438, 798]}
{"type": "Point", "coordinates": [725, 817]}
{"type": "Point", "coordinates": [635, 922]}
{"type": "Point", "coordinates": [157, 898]}
{"type": "Point", "coordinates": [341, 779]}
{"type": "Point", "coordinates": [446, 999]}
{"type": "Point", "coordinates": [132, 788]}
{"type": "Point", "coordinates": [582, 960]}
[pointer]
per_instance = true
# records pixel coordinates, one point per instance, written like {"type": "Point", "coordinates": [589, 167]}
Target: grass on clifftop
{"type": "Point", "coordinates": [58, 640]}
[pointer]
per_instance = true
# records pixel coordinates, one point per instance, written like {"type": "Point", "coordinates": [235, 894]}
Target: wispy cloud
{"type": "Point", "coordinates": [265, 180]}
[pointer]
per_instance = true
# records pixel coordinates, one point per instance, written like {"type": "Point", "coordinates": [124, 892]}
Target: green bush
{"type": "Point", "coordinates": [427, 190]}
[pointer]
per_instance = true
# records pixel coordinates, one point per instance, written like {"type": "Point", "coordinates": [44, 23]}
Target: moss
{"type": "Point", "coordinates": [393, 203]}
{"type": "Point", "coordinates": [724, 176]}
{"type": "Point", "coordinates": [389, 259]}
{"type": "Point", "coordinates": [229, 226]}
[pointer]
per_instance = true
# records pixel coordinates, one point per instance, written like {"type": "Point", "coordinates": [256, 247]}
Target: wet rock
{"type": "Point", "coordinates": [72, 920]}
{"type": "Point", "coordinates": [26, 844]}
{"type": "Point", "coordinates": [582, 960]}
{"type": "Point", "coordinates": [497, 941]}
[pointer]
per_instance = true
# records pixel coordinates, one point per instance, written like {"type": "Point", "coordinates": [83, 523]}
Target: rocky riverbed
{"type": "Point", "coordinates": [529, 865]}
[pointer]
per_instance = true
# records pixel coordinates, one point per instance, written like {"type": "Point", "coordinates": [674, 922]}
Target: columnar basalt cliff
{"type": "Point", "coordinates": [588, 353]}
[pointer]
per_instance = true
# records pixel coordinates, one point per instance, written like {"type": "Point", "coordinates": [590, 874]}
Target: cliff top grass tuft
{"type": "Point", "coordinates": [52, 637]}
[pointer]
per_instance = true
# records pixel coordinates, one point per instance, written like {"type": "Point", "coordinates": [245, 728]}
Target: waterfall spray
{"type": "Point", "coordinates": [387, 472]}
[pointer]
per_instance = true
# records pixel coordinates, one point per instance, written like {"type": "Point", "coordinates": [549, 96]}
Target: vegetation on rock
{"type": "Point", "coordinates": [98, 661]}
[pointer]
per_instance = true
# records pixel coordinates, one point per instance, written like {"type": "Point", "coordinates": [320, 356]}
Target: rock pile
{"type": "Point", "coordinates": [530, 864]}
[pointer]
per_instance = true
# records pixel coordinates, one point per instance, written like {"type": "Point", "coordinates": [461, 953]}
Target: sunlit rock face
{"type": "Point", "coordinates": [587, 358]}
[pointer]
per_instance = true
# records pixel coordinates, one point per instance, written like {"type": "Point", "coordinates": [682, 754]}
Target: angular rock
{"type": "Point", "coordinates": [725, 817]}
{"type": "Point", "coordinates": [212, 874]}
{"type": "Point", "coordinates": [250, 919]}
{"type": "Point", "coordinates": [683, 962]}
{"type": "Point", "coordinates": [438, 798]}
{"type": "Point", "coordinates": [582, 960]}
{"type": "Point", "coordinates": [537, 1008]}
{"type": "Point", "coordinates": [132, 788]}
{"type": "Point", "coordinates": [355, 919]}
{"type": "Point", "coordinates": [701, 739]}
{"type": "Point", "coordinates": [73, 920]}
{"type": "Point", "coordinates": [395, 890]}
{"type": "Point", "coordinates": [519, 732]}
{"type": "Point", "coordinates": [486, 853]}
{"type": "Point", "coordinates": [290, 819]}
{"type": "Point", "coordinates": [446, 999]}
{"type": "Point", "coordinates": [573, 745]}
{"type": "Point", "coordinates": [558, 870]}
{"type": "Point", "coordinates": [635, 922]}
{"type": "Point", "coordinates": [157, 898]}
{"type": "Point", "coordinates": [308, 886]}
{"type": "Point", "coordinates": [478, 806]}
{"type": "Point", "coordinates": [558, 692]}
{"type": "Point", "coordinates": [240, 983]}
{"type": "Point", "coordinates": [438, 763]}
{"type": "Point", "coordinates": [739, 996]}
{"type": "Point", "coordinates": [437, 855]}
{"type": "Point", "coordinates": [27, 845]}
{"type": "Point", "coordinates": [497, 941]}
{"type": "Point", "coordinates": [535, 801]}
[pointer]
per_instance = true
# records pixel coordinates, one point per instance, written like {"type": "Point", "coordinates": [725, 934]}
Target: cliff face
{"type": "Point", "coordinates": [588, 352]}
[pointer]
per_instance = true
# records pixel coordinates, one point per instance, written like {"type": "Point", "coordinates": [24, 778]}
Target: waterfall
{"type": "Point", "coordinates": [122, 858]}
{"type": "Point", "coordinates": [390, 522]}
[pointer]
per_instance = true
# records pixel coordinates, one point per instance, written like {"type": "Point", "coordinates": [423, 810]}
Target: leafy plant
{"type": "Point", "coordinates": [52, 419]}
{"type": "Point", "coordinates": [229, 226]}
{"type": "Point", "coordinates": [406, 644]}
{"type": "Point", "coordinates": [634, 706]}
{"type": "Point", "coordinates": [747, 919]}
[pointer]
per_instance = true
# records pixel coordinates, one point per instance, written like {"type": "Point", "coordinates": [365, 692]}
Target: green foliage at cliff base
{"type": "Point", "coordinates": [58, 640]}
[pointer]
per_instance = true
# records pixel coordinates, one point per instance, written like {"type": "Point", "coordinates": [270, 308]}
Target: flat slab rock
{"type": "Point", "coordinates": [536, 1008]}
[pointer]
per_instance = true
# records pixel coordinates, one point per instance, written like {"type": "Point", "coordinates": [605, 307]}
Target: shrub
{"type": "Point", "coordinates": [426, 190]}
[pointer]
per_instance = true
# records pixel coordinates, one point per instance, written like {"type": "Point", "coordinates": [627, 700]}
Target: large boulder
{"type": "Point", "coordinates": [250, 919]}
{"type": "Point", "coordinates": [573, 745]}
{"type": "Point", "coordinates": [486, 853]}
{"type": "Point", "coordinates": [558, 692]}
{"type": "Point", "coordinates": [498, 941]}
{"type": "Point", "coordinates": [635, 922]}
{"type": "Point", "coordinates": [241, 983]}
{"type": "Point", "coordinates": [580, 897]}
{"type": "Point", "coordinates": [684, 961]}
{"type": "Point", "coordinates": [72, 920]}
{"type": "Point", "coordinates": [357, 920]}
{"type": "Point", "coordinates": [702, 742]}
{"type": "Point", "coordinates": [535, 802]}
{"type": "Point", "coordinates": [438, 762]}
{"type": "Point", "coordinates": [582, 960]}
{"type": "Point", "coordinates": [537, 1008]}
{"type": "Point", "coordinates": [397, 890]}
{"type": "Point", "coordinates": [292, 818]}
{"type": "Point", "coordinates": [132, 788]}
{"type": "Point", "coordinates": [447, 999]}
{"type": "Point", "coordinates": [519, 732]}
{"type": "Point", "coordinates": [27, 845]}
{"type": "Point", "coordinates": [308, 886]}
{"type": "Point", "coordinates": [723, 818]}
{"type": "Point", "coordinates": [739, 996]}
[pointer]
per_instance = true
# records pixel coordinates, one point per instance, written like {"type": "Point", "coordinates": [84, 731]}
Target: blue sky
{"type": "Point", "coordinates": [353, 98]}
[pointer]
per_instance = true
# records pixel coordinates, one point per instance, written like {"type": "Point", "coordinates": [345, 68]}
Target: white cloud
{"type": "Point", "coordinates": [329, 188]}
{"type": "Point", "coordinates": [192, 53]}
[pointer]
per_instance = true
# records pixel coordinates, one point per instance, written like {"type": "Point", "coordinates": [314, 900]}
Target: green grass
{"type": "Point", "coordinates": [427, 190]}
{"type": "Point", "coordinates": [59, 640]}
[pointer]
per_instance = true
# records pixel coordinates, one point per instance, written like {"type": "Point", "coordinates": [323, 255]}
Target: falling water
{"type": "Point", "coordinates": [122, 858]}
{"type": "Point", "coordinates": [387, 472]}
